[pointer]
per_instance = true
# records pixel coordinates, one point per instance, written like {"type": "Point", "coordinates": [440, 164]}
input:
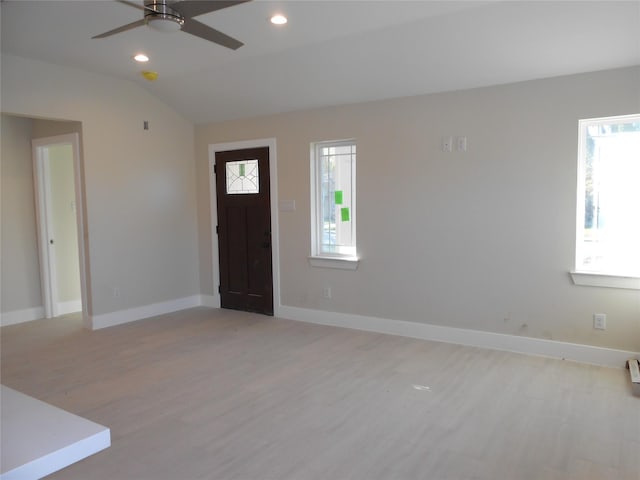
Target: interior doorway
{"type": "Point", "coordinates": [56, 169]}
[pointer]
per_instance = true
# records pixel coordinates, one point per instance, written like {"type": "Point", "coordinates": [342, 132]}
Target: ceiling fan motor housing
{"type": "Point", "coordinates": [160, 10]}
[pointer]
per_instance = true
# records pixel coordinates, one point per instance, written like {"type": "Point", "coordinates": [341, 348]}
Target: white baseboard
{"type": "Point", "coordinates": [607, 357]}
{"type": "Point", "coordinates": [512, 343]}
{"type": "Point", "coordinates": [138, 313]}
{"type": "Point", "coordinates": [69, 307]}
{"type": "Point", "coordinates": [212, 301]}
{"type": "Point", "coordinates": [20, 316]}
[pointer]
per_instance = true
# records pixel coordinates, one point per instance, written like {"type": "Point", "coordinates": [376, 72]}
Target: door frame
{"type": "Point", "coordinates": [44, 221]}
{"type": "Point", "coordinates": [213, 204]}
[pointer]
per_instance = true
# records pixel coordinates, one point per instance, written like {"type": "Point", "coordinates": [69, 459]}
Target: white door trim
{"type": "Point", "coordinates": [43, 216]}
{"type": "Point", "coordinates": [273, 186]}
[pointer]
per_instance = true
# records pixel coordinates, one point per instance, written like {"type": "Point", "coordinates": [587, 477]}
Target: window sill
{"type": "Point", "coordinates": [335, 262]}
{"type": "Point", "coordinates": [591, 279]}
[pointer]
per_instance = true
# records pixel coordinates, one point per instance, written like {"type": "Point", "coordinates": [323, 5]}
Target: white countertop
{"type": "Point", "coordinates": [38, 439]}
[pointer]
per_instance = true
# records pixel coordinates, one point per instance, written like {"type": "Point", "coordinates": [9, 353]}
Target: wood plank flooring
{"type": "Point", "coordinates": [222, 395]}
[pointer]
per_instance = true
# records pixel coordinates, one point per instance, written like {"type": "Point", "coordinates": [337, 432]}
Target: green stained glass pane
{"type": "Point", "coordinates": [344, 214]}
{"type": "Point", "coordinates": [338, 197]}
{"type": "Point", "coordinates": [241, 169]}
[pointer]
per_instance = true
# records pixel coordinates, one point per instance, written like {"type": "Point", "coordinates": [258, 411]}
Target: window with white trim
{"type": "Point", "coordinates": [333, 200]}
{"type": "Point", "coordinates": [608, 213]}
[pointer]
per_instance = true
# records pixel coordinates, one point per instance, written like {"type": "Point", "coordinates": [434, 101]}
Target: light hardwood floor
{"type": "Point", "coordinates": [209, 394]}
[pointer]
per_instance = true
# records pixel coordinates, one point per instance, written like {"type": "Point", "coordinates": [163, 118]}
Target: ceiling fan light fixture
{"type": "Point", "coordinates": [178, 15]}
{"type": "Point", "coordinates": [278, 19]}
{"type": "Point", "coordinates": [165, 24]}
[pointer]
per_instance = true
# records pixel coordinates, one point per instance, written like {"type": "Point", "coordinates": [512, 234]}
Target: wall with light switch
{"type": "Point", "coordinates": [466, 208]}
{"type": "Point", "coordinates": [480, 237]}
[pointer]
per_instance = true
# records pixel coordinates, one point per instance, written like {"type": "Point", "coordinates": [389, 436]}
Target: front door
{"type": "Point", "coordinates": [244, 230]}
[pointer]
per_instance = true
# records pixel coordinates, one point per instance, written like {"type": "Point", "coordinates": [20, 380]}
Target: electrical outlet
{"type": "Point", "coordinates": [116, 292]}
{"type": "Point", "coordinates": [447, 144]}
{"type": "Point", "coordinates": [600, 321]}
{"type": "Point", "coordinates": [326, 292]}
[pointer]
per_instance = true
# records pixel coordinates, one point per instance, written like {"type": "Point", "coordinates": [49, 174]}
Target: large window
{"type": "Point", "coordinates": [333, 200]}
{"type": "Point", "coordinates": [608, 224]}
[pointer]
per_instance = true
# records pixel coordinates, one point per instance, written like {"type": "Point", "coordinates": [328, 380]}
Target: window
{"type": "Point", "coordinates": [333, 203]}
{"type": "Point", "coordinates": [608, 223]}
{"type": "Point", "coordinates": [242, 177]}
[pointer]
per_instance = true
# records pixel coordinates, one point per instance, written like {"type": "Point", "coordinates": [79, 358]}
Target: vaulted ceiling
{"type": "Point", "coordinates": [330, 52]}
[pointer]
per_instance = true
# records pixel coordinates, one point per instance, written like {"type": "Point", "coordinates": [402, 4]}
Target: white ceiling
{"type": "Point", "coordinates": [330, 52]}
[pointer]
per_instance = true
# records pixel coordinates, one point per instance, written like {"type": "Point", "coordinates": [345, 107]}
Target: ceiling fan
{"type": "Point", "coordinates": [168, 16]}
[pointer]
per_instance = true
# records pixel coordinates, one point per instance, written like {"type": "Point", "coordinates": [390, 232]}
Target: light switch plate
{"type": "Point", "coordinates": [461, 144]}
{"type": "Point", "coordinates": [600, 321]}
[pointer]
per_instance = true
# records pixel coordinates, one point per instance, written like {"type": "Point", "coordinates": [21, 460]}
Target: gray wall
{"type": "Point", "coordinates": [481, 240]}
{"type": "Point", "coordinates": [141, 227]}
{"type": "Point", "coordinates": [20, 267]}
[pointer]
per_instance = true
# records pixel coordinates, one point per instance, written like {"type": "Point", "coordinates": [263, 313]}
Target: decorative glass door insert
{"type": "Point", "coordinates": [242, 177]}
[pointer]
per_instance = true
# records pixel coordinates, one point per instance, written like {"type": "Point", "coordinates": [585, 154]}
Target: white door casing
{"type": "Point", "coordinates": [46, 240]}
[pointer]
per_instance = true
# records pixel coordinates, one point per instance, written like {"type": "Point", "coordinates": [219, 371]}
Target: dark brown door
{"type": "Point", "coordinates": [244, 230]}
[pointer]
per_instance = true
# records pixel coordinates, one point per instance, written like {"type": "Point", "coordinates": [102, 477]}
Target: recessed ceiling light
{"type": "Point", "coordinates": [278, 19]}
{"type": "Point", "coordinates": [141, 57]}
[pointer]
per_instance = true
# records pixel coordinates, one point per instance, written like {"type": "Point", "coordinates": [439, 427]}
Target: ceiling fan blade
{"type": "Point", "coordinates": [203, 31]}
{"type": "Point", "coordinates": [193, 8]}
{"type": "Point", "coordinates": [137, 5]}
{"type": "Point", "coordinates": [123, 28]}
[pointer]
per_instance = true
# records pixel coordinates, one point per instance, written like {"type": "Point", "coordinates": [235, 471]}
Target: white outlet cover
{"type": "Point", "coordinates": [600, 321]}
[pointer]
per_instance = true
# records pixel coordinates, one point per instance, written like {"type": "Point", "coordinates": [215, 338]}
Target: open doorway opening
{"type": "Point", "coordinates": [56, 167]}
